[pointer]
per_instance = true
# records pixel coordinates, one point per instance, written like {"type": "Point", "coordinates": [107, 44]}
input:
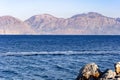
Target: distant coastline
{"type": "Point", "coordinates": [91, 23]}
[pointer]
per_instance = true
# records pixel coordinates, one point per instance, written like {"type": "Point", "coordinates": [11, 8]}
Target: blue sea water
{"type": "Point", "coordinates": [54, 57]}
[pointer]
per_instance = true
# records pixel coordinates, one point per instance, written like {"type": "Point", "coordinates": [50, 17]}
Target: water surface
{"type": "Point", "coordinates": [54, 57]}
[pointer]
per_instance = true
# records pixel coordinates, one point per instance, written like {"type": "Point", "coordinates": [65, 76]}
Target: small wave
{"type": "Point", "coordinates": [57, 53]}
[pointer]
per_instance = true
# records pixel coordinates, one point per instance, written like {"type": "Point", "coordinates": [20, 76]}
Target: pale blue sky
{"type": "Point", "coordinates": [24, 9]}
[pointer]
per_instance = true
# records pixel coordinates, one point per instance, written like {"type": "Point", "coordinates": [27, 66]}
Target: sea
{"type": "Point", "coordinates": [55, 57]}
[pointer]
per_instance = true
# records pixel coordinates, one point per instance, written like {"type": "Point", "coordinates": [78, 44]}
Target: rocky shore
{"type": "Point", "coordinates": [92, 72]}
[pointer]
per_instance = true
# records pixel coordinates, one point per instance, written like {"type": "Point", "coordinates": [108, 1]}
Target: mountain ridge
{"type": "Point", "coordinates": [11, 25]}
{"type": "Point", "coordinates": [91, 23]}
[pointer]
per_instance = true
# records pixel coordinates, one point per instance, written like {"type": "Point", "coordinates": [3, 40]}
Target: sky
{"type": "Point", "coordinates": [23, 9]}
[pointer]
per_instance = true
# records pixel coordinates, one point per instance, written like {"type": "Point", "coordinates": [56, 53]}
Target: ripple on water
{"type": "Point", "coordinates": [51, 67]}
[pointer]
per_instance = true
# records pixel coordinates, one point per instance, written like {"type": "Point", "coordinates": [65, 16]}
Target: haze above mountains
{"type": "Point", "coordinates": [91, 23]}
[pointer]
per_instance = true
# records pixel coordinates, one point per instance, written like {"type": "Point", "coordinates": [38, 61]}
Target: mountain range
{"type": "Point", "coordinates": [91, 23]}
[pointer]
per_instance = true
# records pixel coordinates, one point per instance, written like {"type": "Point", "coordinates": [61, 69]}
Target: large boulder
{"type": "Point", "coordinates": [89, 72]}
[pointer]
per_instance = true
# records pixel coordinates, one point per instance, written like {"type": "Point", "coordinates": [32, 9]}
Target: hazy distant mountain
{"type": "Point", "coordinates": [11, 25]}
{"type": "Point", "coordinates": [90, 23]}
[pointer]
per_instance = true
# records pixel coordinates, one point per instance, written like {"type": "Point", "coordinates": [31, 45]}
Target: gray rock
{"type": "Point", "coordinates": [89, 72]}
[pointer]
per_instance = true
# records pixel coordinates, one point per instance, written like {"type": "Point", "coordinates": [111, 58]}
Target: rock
{"type": "Point", "coordinates": [117, 77]}
{"type": "Point", "coordinates": [108, 75]}
{"type": "Point", "coordinates": [92, 72]}
{"type": "Point", "coordinates": [89, 72]}
{"type": "Point", "coordinates": [117, 68]}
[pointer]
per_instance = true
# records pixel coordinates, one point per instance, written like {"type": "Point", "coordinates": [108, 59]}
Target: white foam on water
{"type": "Point", "coordinates": [58, 52]}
